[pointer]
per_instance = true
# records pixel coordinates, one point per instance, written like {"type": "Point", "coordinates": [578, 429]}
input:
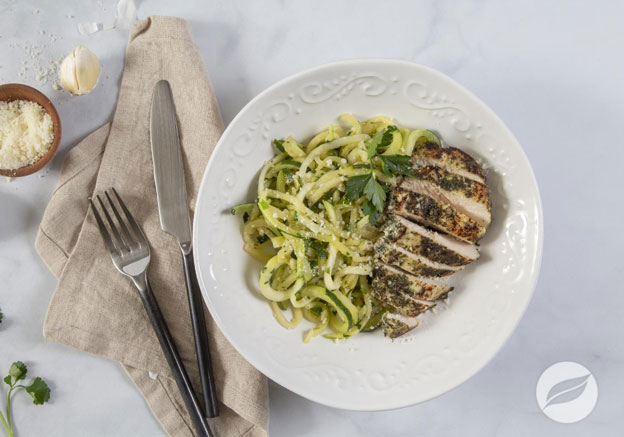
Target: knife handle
{"type": "Point", "coordinates": [173, 359]}
{"type": "Point", "coordinates": [206, 375]}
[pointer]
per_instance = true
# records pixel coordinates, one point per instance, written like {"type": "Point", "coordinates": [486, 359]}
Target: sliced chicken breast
{"type": "Point", "coordinates": [394, 325]}
{"type": "Point", "coordinates": [388, 278]}
{"type": "Point", "coordinates": [438, 215]}
{"type": "Point", "coordinates": [432, 245]}
{"type": "Point", "coordinates": [449, 158]}
{"type": "Point", "coordinates": [392, 254]}
{"type": "Point", "coordinates": [467, 196]}
{"type": "Point", "coordinates": [401, 303]}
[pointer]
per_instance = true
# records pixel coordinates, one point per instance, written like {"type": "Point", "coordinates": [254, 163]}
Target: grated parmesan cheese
{"type": "Point", "coordinates": [26, 133]}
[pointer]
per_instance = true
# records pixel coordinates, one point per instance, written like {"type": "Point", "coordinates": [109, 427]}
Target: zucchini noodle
{"type": "Point", "coordinates": [315, 244]}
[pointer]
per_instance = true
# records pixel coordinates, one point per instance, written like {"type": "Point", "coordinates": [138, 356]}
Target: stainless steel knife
{"type": "Point", "coordinates": [175, 220]}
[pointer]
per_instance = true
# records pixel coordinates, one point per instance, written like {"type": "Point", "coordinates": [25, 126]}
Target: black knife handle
{"type": "Point", "coordinates": [206, 375]}
{"type": "Point", "coordinates": [175, 362]}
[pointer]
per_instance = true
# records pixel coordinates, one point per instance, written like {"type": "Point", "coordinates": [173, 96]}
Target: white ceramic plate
{"type": "Point", "coordinates": [370, 372]}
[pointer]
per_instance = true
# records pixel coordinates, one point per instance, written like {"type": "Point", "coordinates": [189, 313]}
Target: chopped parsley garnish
{"type": "Point", "coordinates": [367, 185]}
{"type": "Point", "coordinates": [291, 162]}
{"type": "Point", "coordinates": [279, 145]}
{"type": "Point", "coordinates": [316, 311]}
{"type": "Point", "coordinates": [396, 164]}
{"type": "Point", "coordinates": [319, 249]}
{"type": "Point", "coordinates": [370, 210]}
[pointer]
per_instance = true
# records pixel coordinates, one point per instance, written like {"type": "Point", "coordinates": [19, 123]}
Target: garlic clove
{"type": "Point", "coordinates": [79, 71]}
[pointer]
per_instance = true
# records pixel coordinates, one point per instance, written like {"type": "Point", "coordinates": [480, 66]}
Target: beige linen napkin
{"type": "Point", "coordinates": [96, 309]}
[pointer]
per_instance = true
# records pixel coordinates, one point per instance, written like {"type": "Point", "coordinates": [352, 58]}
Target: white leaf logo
{"type": "Point", "coordinates": [566, 391]}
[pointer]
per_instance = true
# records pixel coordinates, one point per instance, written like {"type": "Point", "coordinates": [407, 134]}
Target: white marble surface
{"type": "Point", "coordinates": [552, 71]}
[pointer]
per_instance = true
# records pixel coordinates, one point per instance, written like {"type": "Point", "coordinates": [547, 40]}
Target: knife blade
{"type": "Point", "coordinates": [168, 167]}
{"type": "Point", "coordinates": [175, 220]}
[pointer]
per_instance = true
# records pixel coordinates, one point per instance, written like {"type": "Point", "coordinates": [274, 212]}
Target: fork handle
{"type": "Point", "coordinates": [175, 362]}
{"type": "Point", "coordinates": [196, 306]}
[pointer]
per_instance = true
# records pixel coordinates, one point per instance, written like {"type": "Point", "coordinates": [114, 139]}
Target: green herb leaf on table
{"type": "Point", "coordinates": [39, 391]}
{"type": "Point", "coordinates": [17, 371]}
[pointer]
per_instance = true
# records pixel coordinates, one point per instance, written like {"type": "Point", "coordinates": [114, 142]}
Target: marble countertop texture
{"type": "Point", "coordinates": [553, 71]}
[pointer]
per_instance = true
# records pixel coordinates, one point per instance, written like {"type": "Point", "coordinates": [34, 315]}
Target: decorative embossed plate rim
{"type": "Point", "coordinates": [370, 372]}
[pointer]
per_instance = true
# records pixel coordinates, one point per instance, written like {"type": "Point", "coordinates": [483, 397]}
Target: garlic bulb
{"type": "Point", "coordinates": [79, 71]}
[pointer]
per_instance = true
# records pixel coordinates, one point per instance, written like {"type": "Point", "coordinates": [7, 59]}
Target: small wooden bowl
{"type": "Point", "coordinates": [17, 91]}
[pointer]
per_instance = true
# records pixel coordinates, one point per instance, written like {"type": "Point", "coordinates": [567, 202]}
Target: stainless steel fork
{"type": "Point", "coordinates": [130, 252]}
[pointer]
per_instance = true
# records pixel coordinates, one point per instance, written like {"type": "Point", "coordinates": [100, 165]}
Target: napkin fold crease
{"type": "Point", "coordinates": [96, 309]}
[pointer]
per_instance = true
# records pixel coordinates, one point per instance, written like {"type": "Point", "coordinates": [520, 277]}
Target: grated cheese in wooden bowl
{"type": "Point", "coordinates": [26, 133]}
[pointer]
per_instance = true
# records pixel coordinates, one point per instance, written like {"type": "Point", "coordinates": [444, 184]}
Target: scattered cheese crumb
{"type": "Point", "coordinates": [26, 133]}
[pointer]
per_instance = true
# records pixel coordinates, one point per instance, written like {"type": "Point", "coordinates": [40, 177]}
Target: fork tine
{"type": "Point", "coordinates": [119, 242]}
{"type": "Point", "coordinates": [103, 231]}
{"type": "Point", "coordinates": [133, 224]}
{"type": "Point", "coordinates": [128, 238]}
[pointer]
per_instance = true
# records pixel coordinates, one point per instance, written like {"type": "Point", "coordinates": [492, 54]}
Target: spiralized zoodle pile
{"type": "Point", "coordinates": [313, 235]}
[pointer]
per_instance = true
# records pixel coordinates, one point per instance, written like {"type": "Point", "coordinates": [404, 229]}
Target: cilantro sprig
{"type": "Point", "coordinates": [37, 389]}
{"type": "Point", "coordinates": [367, 185]}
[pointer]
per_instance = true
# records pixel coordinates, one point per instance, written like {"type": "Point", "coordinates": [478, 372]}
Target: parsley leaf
{"type": "Point", "coordinates": [355, 186]}
{"type": "Point", "coordinates": [39, 391]}
{"type": "Point", "coordinates": [319, 249]}
{"type": "Point", "coordinates": [396, 164]}
{"type": "Point", "coordinates": [279, 145]}
{"type": "Point", "coordinates": [373, 143]}
{"type": "Point", "coordinates": [291, 162]}
{"type": "Point", "coordinates": [366, 185]}
{"type": "Point", "coordinates": [317, 310]}
{"type": "Point", "coordinates": [370, 210]}
{"type": "Point", "coordinates": [17, 371]}
{"type": "Point", "coordinates": [375, 193]}
{"type": "Point", "coordinates": [381, 139]}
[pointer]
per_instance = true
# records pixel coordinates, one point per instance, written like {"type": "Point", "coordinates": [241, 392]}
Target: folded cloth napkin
{"type": "Point", "coordinates": [96, 309]}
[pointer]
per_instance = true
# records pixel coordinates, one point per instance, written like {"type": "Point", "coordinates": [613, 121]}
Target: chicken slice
{"type": "Point", "coordinates": [435, 214]}
{"type": "Point", "coordinates": [391, 253]}
{"type": "Point", "coordinates": [467, 196]}
{"type": "Point", "coordinates": [388, 278]}
{"type": "Point", "coordinates": [394, 325]}
{"type": "Point", "coordinates": [431, 244]}
{"type": "Point", "coordinates": [449, 158]}
{"type": "Point", "coordinates": [402, 303]}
